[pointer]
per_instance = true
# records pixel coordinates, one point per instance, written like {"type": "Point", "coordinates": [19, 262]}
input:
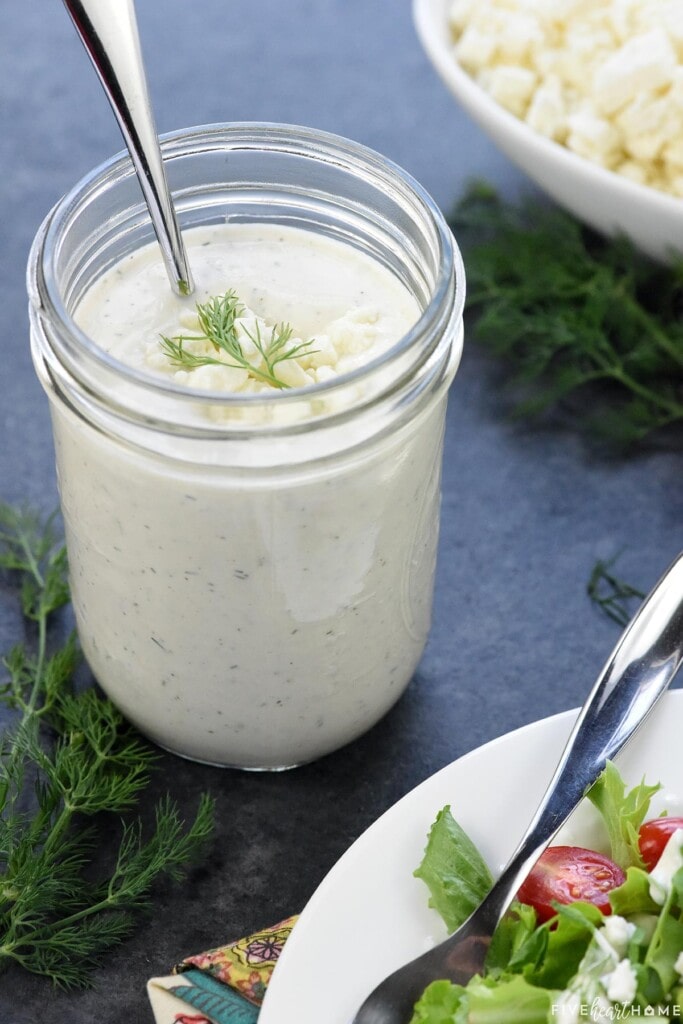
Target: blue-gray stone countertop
{"type": "Point", "coordinates": [525, 512]}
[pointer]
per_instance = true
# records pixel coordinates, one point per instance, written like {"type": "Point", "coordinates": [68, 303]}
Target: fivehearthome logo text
{"type": "Point", "coordinates": [598, 1011]}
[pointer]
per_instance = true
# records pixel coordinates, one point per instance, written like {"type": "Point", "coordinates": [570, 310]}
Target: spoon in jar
{"type": "Point", "coordinates": [108, 30]}
{"type": "Point", "coordinates": [636, 675]}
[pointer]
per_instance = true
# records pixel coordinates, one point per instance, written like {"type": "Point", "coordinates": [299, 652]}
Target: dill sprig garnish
{"type": "Point", "coordinates": [70, 756]}
{"type": "Point", "coordinates": [217, 320]}
{"type": "Point", "coordinates": [617, 599]}
{"type": "Point", "coordinates": [575, 316]}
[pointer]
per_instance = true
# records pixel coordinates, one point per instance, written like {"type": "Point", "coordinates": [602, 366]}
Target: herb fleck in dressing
{"type": "Point", "coordinates": [251, 615]}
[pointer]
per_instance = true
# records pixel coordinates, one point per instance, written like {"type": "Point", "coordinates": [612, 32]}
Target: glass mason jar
{"type": "Point", "coordinates": [251, 575]}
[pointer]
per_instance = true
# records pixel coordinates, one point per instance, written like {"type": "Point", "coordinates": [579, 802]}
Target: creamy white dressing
{"type": "Point", "coordinates": [347, 305]}
{"type": "Point", "coordinates": [241, 616]}
{"type": "Point", "coordinates": [670, 861]}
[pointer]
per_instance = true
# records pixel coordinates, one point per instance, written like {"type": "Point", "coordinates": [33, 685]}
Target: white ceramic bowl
{"type": "Point", "coordinates": [603, 199]}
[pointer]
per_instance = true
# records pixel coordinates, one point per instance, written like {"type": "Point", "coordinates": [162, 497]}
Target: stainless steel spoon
{"type": "Point", "coordinates": [638, 672]}
{"type": "Point", "coordinates": [109, 32]}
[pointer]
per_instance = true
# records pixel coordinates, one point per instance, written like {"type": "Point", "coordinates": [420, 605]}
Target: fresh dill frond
{"type": "Point", "coordinates": [69, 758]}
{"type": "Point", "coordinates": [75, 923]}
{"type": "Point", "coordinates": [575, 316]}
{"type": "Point", "coordinates": [617, 599]}
{"type": "Point", "coordinates": [217, 320]}
{"type": "Point", "coordinates": [29, 546]}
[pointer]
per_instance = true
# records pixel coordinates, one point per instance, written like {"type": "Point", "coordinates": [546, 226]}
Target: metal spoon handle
{"type": "Point", "coordinates": [637, 673]}
{"type": "Point", "coordinates": [109, 32]}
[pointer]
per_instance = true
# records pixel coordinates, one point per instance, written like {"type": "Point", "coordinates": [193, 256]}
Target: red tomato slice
{"type": "Point", "coordinates": [653, 837]}
{"type": "Point", "coordinates": [567, 873]}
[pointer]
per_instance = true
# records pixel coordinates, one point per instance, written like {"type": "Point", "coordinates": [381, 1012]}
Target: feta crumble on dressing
{"type": "Point", "coordinates": [347, 306]}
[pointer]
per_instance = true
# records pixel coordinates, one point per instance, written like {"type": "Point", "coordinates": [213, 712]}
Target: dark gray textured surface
{"type": "Point", "coordinates": [525, 513]}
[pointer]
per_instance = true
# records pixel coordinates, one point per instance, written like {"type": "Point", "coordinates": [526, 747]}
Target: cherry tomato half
{"type": "Point", "coordinates": [567, 873]}
{"type": "Point", "coordinates": [653, 837]}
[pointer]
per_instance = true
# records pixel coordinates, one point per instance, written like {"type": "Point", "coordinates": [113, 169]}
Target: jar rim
{"type": "Point", "coordinates": [325, 146]}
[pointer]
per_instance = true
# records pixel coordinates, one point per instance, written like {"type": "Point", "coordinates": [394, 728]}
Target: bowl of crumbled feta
{"type": "Point", "coordinates": [586, 96]}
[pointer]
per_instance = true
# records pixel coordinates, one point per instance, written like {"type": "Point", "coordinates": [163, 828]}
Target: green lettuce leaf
{"type": "Point", "coordinates": [512, 935]}
{"type": "Point", "coordinates": [623, 813]}
{"type": "Point", "coordinates": [453, 870]}
{"type": "Point", "coordinates": [599, 959]}
{"type": "Point", "coordinates": [667, 940]}
{"type": "Point", "coordinates": [485, 1001]}
{"type": "Point", "coordinates": [441, 1003]}
{"type": "Point", "coordinates": [508, 1002]}
{"type": "Point", "coordinates": [568, 938]}
{"type": "Point", "coordinates": [633, 895]}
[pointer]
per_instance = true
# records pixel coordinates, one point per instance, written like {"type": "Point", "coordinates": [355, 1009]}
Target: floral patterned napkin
{"type": "Point", "coordinates": [223, 986]}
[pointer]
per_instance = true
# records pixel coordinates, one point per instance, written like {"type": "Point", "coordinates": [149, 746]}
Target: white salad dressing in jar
{"type": "Point", "coordinates": [251, 563]}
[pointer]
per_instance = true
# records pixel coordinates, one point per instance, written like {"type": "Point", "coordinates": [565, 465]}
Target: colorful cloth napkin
{"type": "Point", "coordinates": [222, 986]}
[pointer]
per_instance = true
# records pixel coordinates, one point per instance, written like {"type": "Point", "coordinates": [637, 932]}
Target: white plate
{"type": "Point", "coordinates": [606, 200]}
{"type": "Point", "coordinates": [370, 915]}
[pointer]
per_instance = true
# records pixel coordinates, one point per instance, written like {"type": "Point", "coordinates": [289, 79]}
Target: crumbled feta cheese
{"type": "Point", "coordinates": [668, 14]}
{"type": "Point", "coordinates": [355, 332]}
{"type": "Point", "coordinates": [666, 867]}
{"type": "Point", "coordinates": [512, 87]}
{"type": "Point", "coordinates": [459, 13]}
{"type": "Point", "coordinates": [673, 156]}
{"type": "Point", "coordinates": [675, 91]}
{"type": "Point", "coordinates": [609, 954]}
{"type": "Point", "coordinates": [618, 932]}
{"type": "Point", "coordinates": [606, 79]}
{"type": "Point", "coordinates": [214, 378]}
{"type": "Point", "coordinates": [547, 110]}
{"type": "Point", "coordinates": [521, 33]}
{"type": "Point", "coordinates": [648, 124]}
{"type": "Point", "coordinates": [324, 373]}
{"type": "Point", "coordinates": [250, 330]}
{"type": "Point", "coordinates": [675, 184]}
{"type": "Point", "coordinates": [593, 137]}
{"type": "Point", "coordinates": [621, 984]}
{"type": "Point", "coordinates": [322, 353]}
{"type": "Point", "coordinates": [291, 373]}
{"type": "Point", "coordinates": [345, 344]}
{"type": "Point", "coordinates": [642, 64]}
{"type": "Point", "coordinates": [475, 49]}
{"type": "Point", "coordinates": [634, 171]}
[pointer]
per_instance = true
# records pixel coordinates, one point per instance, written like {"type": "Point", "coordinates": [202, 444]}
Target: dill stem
{"type": "Point", "coordinates": [671, 407]}
{"type": "Point", "coordinates": [65, 816]}
{"type": "Point", "coordinates": [33, 938]}
{"type": "Point", "coordinates": [614, 370]}
{"type": "Point", "coordinates": [40, 665]}
{"type": "Point", "coordinates": [656, 333]}
{"type": "Point", "coordinates": [268, 376]}
{"type": "Point", "coordinates": [41, 936]}
{"type": "Point", "coordinates": [59, 826]}
{"type": "Point", "coordinates": [29, 709]}
{"type": "Point", "coordinates": [31, 559]}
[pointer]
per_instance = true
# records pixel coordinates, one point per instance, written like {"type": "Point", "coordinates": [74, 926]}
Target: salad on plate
{"type": "Point", "coordinates": [593, 935]}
